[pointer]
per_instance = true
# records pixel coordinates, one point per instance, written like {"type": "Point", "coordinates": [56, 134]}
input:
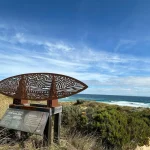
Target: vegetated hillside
{"type": "Point", "coordinates": [114, 127]}
{"type": "Point", "coordinates": [91, 126]}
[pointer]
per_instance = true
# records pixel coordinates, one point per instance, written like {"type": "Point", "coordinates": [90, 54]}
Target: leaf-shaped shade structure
{"type": "Point", "coordinates": [41, 86]}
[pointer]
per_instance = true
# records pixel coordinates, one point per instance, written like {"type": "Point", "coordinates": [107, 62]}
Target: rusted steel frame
{"type": "Point", "coordinates": [38, 105]}
{"type": "Point", "coordinates": [22, 91]}
{"type": "Point", "coordinates": [52, 94]}
{"type": "Point", "coordinates": [43, 86]}
{"type": "Point", "coordinates": [43, 109]}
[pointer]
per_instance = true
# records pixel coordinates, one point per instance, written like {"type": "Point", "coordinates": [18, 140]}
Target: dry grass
{"type": "Point", "coordinates": [4, 103]}
{"type": "Point", "coordinates": [77, 141]}
{"type": "Point", "coordinates": [69, 141]}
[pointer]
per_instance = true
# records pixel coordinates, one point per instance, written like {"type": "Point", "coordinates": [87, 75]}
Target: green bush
{"type": "Point", "coordinates": [79, 101]}
{"type": "Point", "coordinates": [71, 116]}
{"type": "Point", "coordinates": [112, 128]}
{"type": "Point", "coordinates": [117, 127]}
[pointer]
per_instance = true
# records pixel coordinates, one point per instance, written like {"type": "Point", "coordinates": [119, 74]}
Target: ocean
{"type": "Point", "coordinates": [134, 101]}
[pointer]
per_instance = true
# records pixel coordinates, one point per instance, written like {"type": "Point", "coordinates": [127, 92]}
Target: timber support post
{"type": "Point", "coordinates": [57, 126]}
{"type": "Point", "coordinates": [48, 131]}
{"type": "Point", "coordinates": [54, 110]}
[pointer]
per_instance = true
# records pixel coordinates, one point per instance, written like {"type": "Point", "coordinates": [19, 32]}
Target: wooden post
{"type": "Point", "coordinates": [48, 130]}
{"type": "Point", "coordinates": [57, 126]}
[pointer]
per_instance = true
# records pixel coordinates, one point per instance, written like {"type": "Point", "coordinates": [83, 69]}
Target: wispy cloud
{"type": "Point", "coordinates": [139, 86]}
{"type": "Point", "coordinates": [19, 37]}
{"type": "Point", "coordinates": [119, 91]}
{"type": "Point", "coordinates": [22, 52]}
{"type": "Point", "coordinates": [58, 46]}
{"type": "Point", "coordinates": [122, 81]}
{"type": "Point", "coordinates": [124, 43]}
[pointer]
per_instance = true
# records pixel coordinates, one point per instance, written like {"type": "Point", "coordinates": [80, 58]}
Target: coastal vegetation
{"type": "Point", "coordinates": [90, 125]}
{"type": "Point", "coordinates": [114, 127]}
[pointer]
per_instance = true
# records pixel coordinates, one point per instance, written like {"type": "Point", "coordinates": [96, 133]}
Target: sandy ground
{"type": "Point", "coordinates": [143, 148]}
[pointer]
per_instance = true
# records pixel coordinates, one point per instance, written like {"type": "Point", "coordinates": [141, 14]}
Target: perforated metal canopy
{"type": "Point", "coordinates": [41, 86]}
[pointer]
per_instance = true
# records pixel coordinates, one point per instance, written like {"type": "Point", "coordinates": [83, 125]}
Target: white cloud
{"type": "Point", "coordinates": [23, 53]}
{"type": "Point", "coordinates": [58, 46]}
{"type": "Point", "coordinates": [19, 37]}
{"type": "Point", "coordinates": [138, 86]}
{"type": "Point", "coordinates": [118, 91]}
{"type": "Point", "coordinates": [122, 81]}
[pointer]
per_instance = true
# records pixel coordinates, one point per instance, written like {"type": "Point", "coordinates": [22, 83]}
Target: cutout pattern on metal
{"type": "Point", "coordinates": [41, 86]}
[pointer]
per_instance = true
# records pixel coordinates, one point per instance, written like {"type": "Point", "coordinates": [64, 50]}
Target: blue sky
{"type": "Point", "coordinates": [104, 43]}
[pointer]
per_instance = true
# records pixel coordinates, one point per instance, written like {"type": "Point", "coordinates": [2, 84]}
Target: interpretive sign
{"type": "Point", "coordinates": [25, 120]}
{"type": "Point", "coordinates": [37, 118]}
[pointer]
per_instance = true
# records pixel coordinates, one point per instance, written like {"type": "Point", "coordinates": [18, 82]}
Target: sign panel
{"type": "Point", "coordinates": [57, 110]}
{"type": "Point", "coordinates": [25, 120]}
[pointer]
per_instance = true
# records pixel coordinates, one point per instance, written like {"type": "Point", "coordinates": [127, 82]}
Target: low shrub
{"type": "Point", "coordinates": [117, 127]}
{"type": "Point", "coordinates": [79, 101]}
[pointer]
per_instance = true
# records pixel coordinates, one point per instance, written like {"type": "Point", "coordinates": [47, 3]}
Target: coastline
{"type": "Point", "coordinates": [133, 101]}
{"type": "Point", "coordinates": [119, 103]}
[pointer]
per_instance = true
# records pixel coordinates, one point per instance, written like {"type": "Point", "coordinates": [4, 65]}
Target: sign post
{"type": "Point", "coordinates": [37, 118]}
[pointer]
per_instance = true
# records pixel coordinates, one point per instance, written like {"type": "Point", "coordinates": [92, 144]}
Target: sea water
{"type": "Point", "coordinates": [134, 101]}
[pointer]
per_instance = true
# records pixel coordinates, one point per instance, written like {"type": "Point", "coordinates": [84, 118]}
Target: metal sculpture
{"type": "Point", "coordinates": [37, 86]}
{"type": "Point", "coordinates": [40, 86]}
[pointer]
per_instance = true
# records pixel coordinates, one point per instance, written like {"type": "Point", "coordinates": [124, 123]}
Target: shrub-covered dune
{"type": "Point", "coordinates": [114, 127]}
{"type": "Point", "coordinates": [96, 126]}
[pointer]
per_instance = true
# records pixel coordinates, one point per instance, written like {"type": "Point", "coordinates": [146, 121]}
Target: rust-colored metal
{"type": "Point", "coordinates": [20, 101]}
{"type": "Point", "coordinates": [22, 107]}
{"type": "Point", "coordinates": [29, 107]}
{"type": "Point", "coordinates": [40, 86]}
{"type": "Point", "coordinates": [24, 101]}
{"type": "Point", "coordinates": [52, 103]}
